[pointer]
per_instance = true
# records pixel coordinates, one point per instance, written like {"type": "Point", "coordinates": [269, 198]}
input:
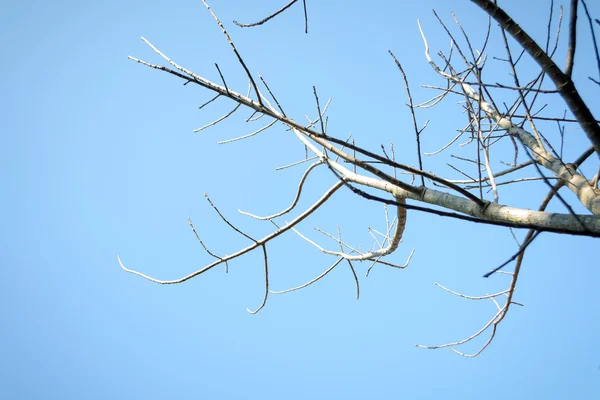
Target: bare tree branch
{"type": "Point", "coordinates": [572, 39]}
{"type": "Point", "coordinates": [563, 83]}
{"type": "Point", "coordinates": [494, 110]}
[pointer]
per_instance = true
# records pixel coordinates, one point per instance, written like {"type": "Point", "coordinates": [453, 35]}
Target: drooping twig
{"type": "Point", "coordinates": [264, 247]}
{"type": "Point", "coordinates": [305, 17]}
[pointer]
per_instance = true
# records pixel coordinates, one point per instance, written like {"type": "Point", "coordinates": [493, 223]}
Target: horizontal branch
{"type": "Point", "coordinates": [521, 218]}
{"type": "Point", "coordinates": [470, 206]}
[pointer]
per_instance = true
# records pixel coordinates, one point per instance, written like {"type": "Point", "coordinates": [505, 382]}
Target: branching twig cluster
{"type": "Point", "coordinates": [487, 127]}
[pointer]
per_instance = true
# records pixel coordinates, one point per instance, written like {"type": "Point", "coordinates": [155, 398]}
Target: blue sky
{"type": "Point", "coordinates": [99, 159]}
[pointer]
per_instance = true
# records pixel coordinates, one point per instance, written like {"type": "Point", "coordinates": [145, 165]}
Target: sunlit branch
{"type": "Point", "coordinates": [563, 83]}
{"type": "Point", "coordinates": [589, 197]}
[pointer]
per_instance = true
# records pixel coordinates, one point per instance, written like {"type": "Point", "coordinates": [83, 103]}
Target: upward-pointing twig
{"type": "Point", "coordinates": [235, 51]}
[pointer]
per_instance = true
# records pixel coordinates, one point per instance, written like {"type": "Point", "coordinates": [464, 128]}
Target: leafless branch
{"type": "Point", "coordinates": [593, 35]}
{"type": "Point", "coordinates": [298, 193]}
{"type": "Point", "coordinates": [412, 112]}
{"type": "Point", "coordinates": [572, 38]}
{"type": "Point", "coordinates": [487, 296]}
{"type": "Point", "coordinates": [245, 250]}
{"type": "Point", "coordinates": [200, 240]}
{"type": "Point", "coordinates": [369, 176]}
{"type": "Point", "coordinates": [270, 124]}
{"type": "Point", "coordinates": [241, 61]}
{"type": "Point", "coordinates": [564, 85]}
{"type": "Point", "coordinates": [264, 247]}
{"type": "Point", "coordinates": [339, 260]}
{"type": "Point", "coordinates": [271, 16]}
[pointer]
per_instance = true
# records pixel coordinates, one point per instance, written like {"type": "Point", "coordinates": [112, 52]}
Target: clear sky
{"type": "Point", "coordinates": [98, 158]}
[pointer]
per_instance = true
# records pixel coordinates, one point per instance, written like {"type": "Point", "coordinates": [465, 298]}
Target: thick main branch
{"type": "Point", "coordinates": [563, 82]}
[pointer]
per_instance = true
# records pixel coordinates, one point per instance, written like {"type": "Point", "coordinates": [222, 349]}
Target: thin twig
{"type": "Point", "coordinates": [200, 240]}
{"type": "Point", "coordinates": [298, 193]}
{"type": "Point", "coordinates": [412, 112]}
{"type": "Point", "coordinates": [319, 110]}
{"type": "Point", "coordinates": [250, 134]}
{"type": "Point", "coordinates": [311, 281]}
{"type": "Point", "coordinates": [226, 220]}
{"type": "Point", "coordinates": [572, 39]}
{"type": "Point", "coordinates": [239, 57]}
{"type": "Point", "coordinates": [264, 247]}
{"type": "Point", "coordinates": [271, 16]}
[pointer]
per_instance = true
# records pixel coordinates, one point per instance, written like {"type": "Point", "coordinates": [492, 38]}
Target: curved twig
{"type": "Point", "coordinates": [291, 207]}
{"type": "Point", "coordinates": [264, 247]}
{"type": "Point", "coordinates": [245, 250]}
{"type": "Point", "coordinates": [250, 134]}
{"type": "Point", "coordinates": [271, 16]}
{"type": "Point", "coordinates": [335, 264]}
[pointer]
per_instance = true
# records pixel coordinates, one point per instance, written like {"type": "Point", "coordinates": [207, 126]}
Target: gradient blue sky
{"type": "Point", "coordinates": [99, 159]}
